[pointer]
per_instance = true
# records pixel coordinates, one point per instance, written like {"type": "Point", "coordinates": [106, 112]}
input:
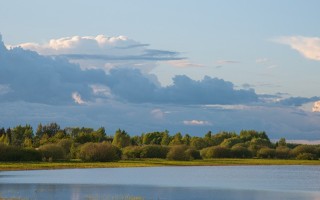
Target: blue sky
{"type": "Point", "coordinates": [262, 48]}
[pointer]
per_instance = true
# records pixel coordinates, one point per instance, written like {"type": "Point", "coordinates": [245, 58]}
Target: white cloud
{"type": "Point", "coordinates": [77, 98]}
{"type": "Point", "coordinates": [316, 106]}
{"type": "Point", "coordinates": [103, 52]}
{"type": "Point", "coordinates": [157, 113]}
{"type": "Point", "coordinates": [309, 47]}
{"type": "Point", "coordinates": [196, 122]}
{"type": "Point", "coordinates": [183, 63]}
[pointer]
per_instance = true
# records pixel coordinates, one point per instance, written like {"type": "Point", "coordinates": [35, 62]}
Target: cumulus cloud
{"type": "Point", "coordinates": [101, 51]}
{"type": "Point", "coordinates": [309, 47]}
{"type": "Point", "coordinates": [133, 86]}
{"type": "Point", "coordinates": [196, 122]}
{"type": "Point", "coordinates": [316, 107]}
{"type": "Point", "coordinates": [28, 76]}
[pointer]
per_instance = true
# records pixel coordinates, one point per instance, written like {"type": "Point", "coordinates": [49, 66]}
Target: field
{"type": "Point", "coordinates": [149, 163]}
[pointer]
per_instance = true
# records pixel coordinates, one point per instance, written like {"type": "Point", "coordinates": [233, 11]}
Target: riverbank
{"type": "Point", "coordinates": [149, 163]}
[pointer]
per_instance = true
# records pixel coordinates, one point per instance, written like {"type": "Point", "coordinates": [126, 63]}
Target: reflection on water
{"type": "Point", "coordinates": [237, 182]}
{"type": "Point", "coordinates": [75, 192]}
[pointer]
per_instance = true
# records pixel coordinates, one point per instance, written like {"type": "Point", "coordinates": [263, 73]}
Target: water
{"type": "Point", "coordinates": [223, 182]}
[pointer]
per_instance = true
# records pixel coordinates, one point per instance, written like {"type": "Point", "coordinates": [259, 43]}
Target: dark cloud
{"type": "Point", "coordinates": [31, 77]}
{"type": "Point", "coordinates": [133, 86]}
{"type": "Point", "coordinates": [298, 101]}
{"type": "Point", "coordinates": [28, 76]}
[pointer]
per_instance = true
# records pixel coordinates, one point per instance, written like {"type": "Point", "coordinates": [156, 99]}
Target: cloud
{"type": "Point", "coordinates": [225, 62]}
{"type": "Point", "coordinates": [131, 85]}
{"type": "Point", "coordinates": [99, 51]}
{"type": "Point", "coordinates": [316, 107]}
{"type": "Point", "coordinates": [28, 76]}
{"type": "Point", "coordinates": [309, 47]}
{"type": "Point", "coordinates": [157, 113]}
{"type": "Point", "coordinates": [196, 123]}
{"type": "Point", "coordinates": [183, 63]}
{"type": "Point", "coordinates": [262, 60]}
{"type": "Point", "coordinates": [77, 98]}
{"type": "Point", "coordinates": [297, 101]}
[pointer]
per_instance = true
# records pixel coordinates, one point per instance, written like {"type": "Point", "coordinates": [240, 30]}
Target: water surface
{"type": "Point", "coordinates": [214, 182]}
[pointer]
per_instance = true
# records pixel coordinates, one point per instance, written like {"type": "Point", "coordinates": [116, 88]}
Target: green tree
{"type": "Point", "coordinates": [121, 139]}
{"type": "Point", "coordinates": [166, 139]}
{"type": "Point", "coordinates": [177, 139]}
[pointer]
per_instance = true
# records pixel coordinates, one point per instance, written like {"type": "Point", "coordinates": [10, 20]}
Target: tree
{"type": "Point", "coordinates": [121, 139]}
{"type": "Point", "coordinates": [186, 139]}
{"type": "Point", "coordinates": [19, 133]}
{"type": "Point", "coordinates": [198, 143]}
{"type": "Point", "coordinates": [177, 139]}
{"type": "Point", "coordinates": [165, 138]}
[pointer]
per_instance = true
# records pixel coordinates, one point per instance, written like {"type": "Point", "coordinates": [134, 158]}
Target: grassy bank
{"type": "Point", "coordinates": [149, 163]}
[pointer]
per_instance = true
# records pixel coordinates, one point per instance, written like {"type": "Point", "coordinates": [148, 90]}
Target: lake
{"type": "Point", "coordinates": [212, 182]}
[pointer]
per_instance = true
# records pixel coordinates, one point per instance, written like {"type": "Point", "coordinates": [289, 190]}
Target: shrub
{"type": "Point", "coordinates": [101, 152]}
{"type": "Point", "coordinates": [216, 152]}
{"type": "Point", "coordinates": [283, 152]}
{"type": "Point", "coordinates": [266, 152]}
{"type": "Point", "coordinates": [240, 152]}
{"type": "Point", "coordinates": [307, 156]}
{"type": "Point", "coordinates": [193, 154]}
{"type": "Point", "coordinates": [131, 152]}
{"type": "Point", "coordinates": [53, 151]}
{"type": "Point", "coordinates": [66, 144]}
{"type": "Point", "coordinates": [304, 149]}
{"type": "Point", "coordinates": [10, 153]}
{"type": "Point", "coordinates": [178, 152]}
{"type": "Point", "coordinates": [154, 151]}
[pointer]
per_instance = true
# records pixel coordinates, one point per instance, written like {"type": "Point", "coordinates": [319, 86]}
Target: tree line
{"type": "Point", "coordinates": [50, 142]}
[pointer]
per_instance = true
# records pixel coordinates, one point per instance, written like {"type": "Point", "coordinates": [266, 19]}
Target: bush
{"type": "Point", "coordinates": [266, 152]}
{"type": "Point", "coordinates": [131, 152]}
{"type": "Point", "coordinates": [10, 153]}
{"type": "Point", "coordinates": [178, 152]}
{"type": "Point", "coordinates": [154, 151]}
{"type": "Point", "coordinates": [215, 152]}
{"type": "Point", "coordinates": [101, 152]}
{"type": "Point", "coordinates": [304, 149]}
{"type": "Point", "coordinates": [307, 156]}
{"type": "Point", "coordinates": [52, 152]}
{"type": "Point", "coordinates": [240, 152]}
{"type": "Point", "coordinates": [66, 144]}
{"type": "Point", "coordinates": [283, 152]}
{"type": "Point", "coordinates": [193, 154]}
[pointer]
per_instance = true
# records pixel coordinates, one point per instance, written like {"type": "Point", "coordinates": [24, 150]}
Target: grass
{"type": "Point", "coordinates": [149, 163]}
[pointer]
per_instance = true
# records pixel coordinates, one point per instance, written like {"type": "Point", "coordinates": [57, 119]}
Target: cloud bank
{"type": "Point", "coordinates": [27, 76]}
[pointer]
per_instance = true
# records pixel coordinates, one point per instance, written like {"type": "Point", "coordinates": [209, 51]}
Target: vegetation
{"type": "Point", "coordinates": [52, 143]}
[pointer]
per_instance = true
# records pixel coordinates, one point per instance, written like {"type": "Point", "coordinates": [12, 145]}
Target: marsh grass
{"type": "Point", "coordinates": [149, 163]}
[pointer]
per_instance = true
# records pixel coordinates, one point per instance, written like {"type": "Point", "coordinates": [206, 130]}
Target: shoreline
{"type": "Point", "coordinates": [17, 166]}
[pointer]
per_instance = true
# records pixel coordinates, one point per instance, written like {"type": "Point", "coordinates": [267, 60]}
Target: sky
{"type": "Point", "coordinates": [188, 66]}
